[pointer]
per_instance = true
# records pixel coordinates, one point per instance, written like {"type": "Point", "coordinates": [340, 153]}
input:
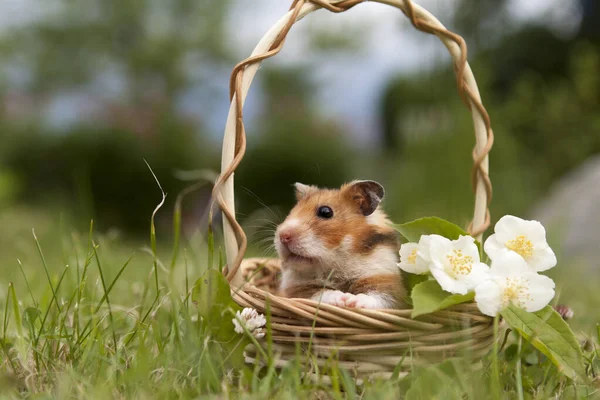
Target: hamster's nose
{"type": "Point", "coordinates": [286, 237]}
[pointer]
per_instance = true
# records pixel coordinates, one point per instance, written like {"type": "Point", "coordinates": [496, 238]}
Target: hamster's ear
{"type": "Point", "coordinates": [366, 194]}
{"type": "Point", "coordinates": [302, 190]}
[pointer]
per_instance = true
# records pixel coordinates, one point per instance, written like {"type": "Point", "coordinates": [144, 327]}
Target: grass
{"type": "Point", "coordinates": [87, 316]}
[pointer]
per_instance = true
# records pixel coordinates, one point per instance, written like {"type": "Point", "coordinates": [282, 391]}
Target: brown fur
{"type": "Point", "coordinates": [390, 284]}
{"type": "Point", "coordinates": [356, 217]}
{"type": "Point", "coordinates": [349, 220]}
{"type": "Point", "coordinates": [305, 290]}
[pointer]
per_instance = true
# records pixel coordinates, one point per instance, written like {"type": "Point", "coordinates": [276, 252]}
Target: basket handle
{"type": "Point", "coordinates": [234, 140]}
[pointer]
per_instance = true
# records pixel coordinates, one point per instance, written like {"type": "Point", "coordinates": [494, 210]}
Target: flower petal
{"type": "Point", "coordinates": [419, 268]}
{"type": "Point", "coordinates": [480, 272]}
{"type": "Point", "coordinates": [492, 246]}
{"type": "Point", "coordinates": [542, 259]}
{"type": "Point", "coordinates": [541, 292]}
{"type": "Point", "coordinates": [508, 227]}
{"type": "Point", "coordinates": [406, 250]}
{"type": "Point", "coordinates": [447, 282]}
{"type": "Point", "coordinates": [535, 231]}
{"type": "Point", "coordinates": [238, 328]}
{"type": "Point", "coordinates": [508, 263]}
{"type": "Point", "coordinates": [467, 245]}
{"type": "Point", "coordinates": [415, 264]}
{"type": "Point", "coordinates": [488, 296]}
{"type": "Point", "coordinates": [439, 247]}
{"type": "Point", "coordinates": [423, 252]}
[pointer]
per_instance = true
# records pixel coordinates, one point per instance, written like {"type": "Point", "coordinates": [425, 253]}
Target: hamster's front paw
{"type": "Point", "coordinates": [341, 299]}
{"type": "Point", "coordinates": [362, 300]}
{"type": "Point", "coordinates": [334, 297]}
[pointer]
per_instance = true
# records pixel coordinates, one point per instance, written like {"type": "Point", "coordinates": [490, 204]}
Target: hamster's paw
{"type": "Point", "coordinates": [362, 300]}
{"type": "Point", "coordinates": [334, 297]}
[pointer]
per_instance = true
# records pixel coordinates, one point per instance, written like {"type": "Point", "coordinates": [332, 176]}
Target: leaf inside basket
{"type": "Point", "coordinates": [428, 297]}
{"type": "Point", "coordinates": [413, 230]}
{"type": "Point", "coordinates": [550, 334]}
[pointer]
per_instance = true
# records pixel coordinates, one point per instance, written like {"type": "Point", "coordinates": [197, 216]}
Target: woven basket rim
{"type": "Point", "coordinates": [365, 338]}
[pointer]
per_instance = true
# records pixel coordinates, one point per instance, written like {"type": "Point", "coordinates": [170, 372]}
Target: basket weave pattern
{"type": "Point", "coordinates": [364, 341]}
{"type": "Point", "coordinates": [368, 341]}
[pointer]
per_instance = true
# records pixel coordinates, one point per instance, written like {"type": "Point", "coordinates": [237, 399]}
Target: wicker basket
{"type": "Point", "coordinates": [364, 341]}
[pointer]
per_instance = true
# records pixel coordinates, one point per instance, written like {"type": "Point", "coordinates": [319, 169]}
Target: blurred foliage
{"type": "Point", "coordinates": [99, 172]}
{"type": "Point", "coordinates": [294, 144]}
{"type": "Point", "coordinates": [135, 60]}
{"type": "Point", "coordinates": [138, 59]}
{"type": "Point", "coordinates": [147, 42]}
{"type": "Point", "coordinates": [544, 109]}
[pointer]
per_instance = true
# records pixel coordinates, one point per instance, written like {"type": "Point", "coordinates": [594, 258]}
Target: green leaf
{"type": "Point", "coordinates": [550, 334]}
{"type": "Point", "coordinates": [212, 296]}
{"type": "Point", "coordinates": [428, 297]}
{"type": "Point", "coordinates": [410, 281]}
{"type": "Point", "coordinates": [413, 230]}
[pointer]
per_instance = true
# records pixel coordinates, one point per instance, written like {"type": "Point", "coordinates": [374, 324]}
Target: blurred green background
{"type": "Point", "coordinates": [88, 90]}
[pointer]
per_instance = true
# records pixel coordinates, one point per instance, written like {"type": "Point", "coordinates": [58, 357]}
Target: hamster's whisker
{"type": "Point", "coordinates": [260, 201]}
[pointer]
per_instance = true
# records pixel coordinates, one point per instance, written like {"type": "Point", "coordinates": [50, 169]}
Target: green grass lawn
{"type": "Point", "coordinates": [89, 315]}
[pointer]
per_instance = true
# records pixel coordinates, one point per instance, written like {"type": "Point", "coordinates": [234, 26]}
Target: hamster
{"type": "Point", "coordinates": [336, 246]}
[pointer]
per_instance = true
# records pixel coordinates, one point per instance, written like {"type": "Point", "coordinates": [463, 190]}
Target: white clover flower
{"type": "Point", "coordinates": [414, 257]}
{"type": "Point", "coordinates": [251, 320]}
{"type": "Point", "coordinates": [455, 264]}
{"type": "Point", "coordinates": [511, 282]}
{"type": "Point", "coordinates": [526, 238]}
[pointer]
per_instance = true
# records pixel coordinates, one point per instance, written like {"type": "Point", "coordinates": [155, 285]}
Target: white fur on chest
{"type": "Point", "coordinates": [343, 266]}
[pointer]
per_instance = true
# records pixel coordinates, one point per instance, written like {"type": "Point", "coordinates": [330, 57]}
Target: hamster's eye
{"type": "Point", "coordinates": [325, 212]}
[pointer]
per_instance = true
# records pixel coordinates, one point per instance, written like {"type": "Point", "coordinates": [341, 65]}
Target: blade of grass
{"type": "Point", "coordinates": [43, 323]}
{"type": "Point", "coordinates": [187, 283]}
{"type": "Point", "coordinates": [110, 315]}
{"type": "Point", "coordinates": [6, 314]}
{"type": "Point", "coordinates": [398, 367]}
{"type": "Point", "coordinates": [5, 328]}
{"type": "Point", "coordinates": [210, 241]}
{"type": "Point", "coordinates": [495, 368]}
{"type": "Point", "coordinates": [153, 227]}
{"type": "Point", "coordinates": [221, 260]}
{"type": "Point", "coordinates": [177, 218]}
{"type": "Point", "coordinates": [37, 243]}
{"type": "Point", "coordinates": [141, 322]}
{"type": "Point", "coordinates": [75, 242]}
{"type": "Point", "coordinates": [47, 343]}
{"type": "Point", "coordinates": [518, 369]}
{"type": "Point", "coordinates": [84, 332]}
{"type": "Point", "coordinates": [16, 311]}
{"type": "Point", "coordinates": [27, 283]}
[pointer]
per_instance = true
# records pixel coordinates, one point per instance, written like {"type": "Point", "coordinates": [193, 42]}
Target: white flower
{"type": "Point", "coordinates": [251, 320]}
{"type": "Point", "coordinates": [455, 264]}
{"type": "Point", "coordinates": [511, 282]}
{"type": "Point", "coordinates": [526, 238]}
{"type": "Point", "coordinates": [414, 257]}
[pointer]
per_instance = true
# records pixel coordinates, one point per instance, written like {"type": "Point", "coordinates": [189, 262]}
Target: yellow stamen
{"type": "Point", "coordinates": [459, 263]}
{"type": "Point", "coordinates": [412, 258]}
{"type": "Point", "coordinates": [515, 292]}
{"type": "Point", "coordinates": [521, 245]}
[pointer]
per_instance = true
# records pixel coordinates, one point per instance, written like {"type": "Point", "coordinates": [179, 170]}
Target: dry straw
{"type": "Point", "coordinates": [365, 341]}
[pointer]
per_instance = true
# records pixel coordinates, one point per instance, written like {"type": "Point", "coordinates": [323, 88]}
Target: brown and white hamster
{"type": "Point", "coordinates": [336, 246]}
